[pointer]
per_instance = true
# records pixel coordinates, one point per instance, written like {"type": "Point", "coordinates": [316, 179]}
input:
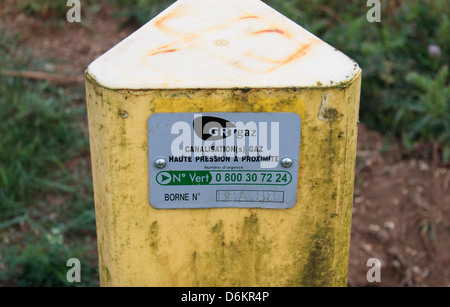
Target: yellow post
{"type": "Point", "coordinates": [235, 58]}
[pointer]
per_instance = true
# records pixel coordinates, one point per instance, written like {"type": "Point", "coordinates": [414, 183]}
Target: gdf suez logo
{"type": "Point", "coordinates": [211, 136]}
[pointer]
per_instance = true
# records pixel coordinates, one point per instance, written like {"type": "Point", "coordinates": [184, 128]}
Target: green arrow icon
{"type": "Point", "coordinates": [164, 178]}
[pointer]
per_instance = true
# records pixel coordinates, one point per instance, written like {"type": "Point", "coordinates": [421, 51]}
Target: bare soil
{"type": "Point", "coordinates": [401, 211]}
{"type": "Point", "coordinates": [401, 215]}
{"type": "Point", "coordinates": [71, 47]}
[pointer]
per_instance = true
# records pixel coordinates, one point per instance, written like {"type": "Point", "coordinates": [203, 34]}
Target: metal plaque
{"type": "Point", "coordinates": [217, 160]}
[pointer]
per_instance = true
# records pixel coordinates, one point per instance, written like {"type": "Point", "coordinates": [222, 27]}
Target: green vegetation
{"type": "Point", "coordinates": [140, 11]}
{"type": "Point", "coordinates": [46, 205]}
{"type": "Point", "coordinates": [53, 12]}
{"type": "Point", "coordinates": [46, 8]}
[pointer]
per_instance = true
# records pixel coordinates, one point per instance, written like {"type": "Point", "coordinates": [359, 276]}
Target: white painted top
{"type": "Point", "coordinates": [221, 44]}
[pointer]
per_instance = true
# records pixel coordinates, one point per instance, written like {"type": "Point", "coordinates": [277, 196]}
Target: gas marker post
{"type": "Point", "coordinates": [223, 144]}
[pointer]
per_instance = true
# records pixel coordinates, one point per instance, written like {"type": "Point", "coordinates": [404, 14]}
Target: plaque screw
{"type": "Point", "coordinates": [287, 162]}
{"type": "Point", "coordinates": [160, 163]}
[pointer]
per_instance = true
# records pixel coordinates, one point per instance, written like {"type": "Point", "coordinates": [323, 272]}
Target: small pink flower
{"type": "Point", "coordinates": [434, 51]}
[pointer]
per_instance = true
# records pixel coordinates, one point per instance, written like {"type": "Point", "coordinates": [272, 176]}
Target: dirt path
{"type": "Point", "coordinates": [401, 215]}
{"type": "Point", "coordinates": [70, 46]}
{"type": "Point", "coordinates": [401, 208]}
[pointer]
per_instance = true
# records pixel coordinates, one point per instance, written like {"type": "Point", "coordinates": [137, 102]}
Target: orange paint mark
{"type": "Point", "coordinates": [300, 52]}
{"type": "Point", "coordinates": [251, 54]}
{"type": "Point", "coordinates": [249, 17]}
{"type": "Point", "coordinates": [159, 23]}
{"type": "Point", "coordinates": [162, 51]}
{"type": "Point", "coordinates": [163, 47]}
{"type": "Point", "coordinates": [269, 31]}
{"type": "Point", "coordinates": [303, 50]}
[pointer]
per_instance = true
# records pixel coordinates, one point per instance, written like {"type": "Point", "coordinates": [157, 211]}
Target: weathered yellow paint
{"type": "Point", "coordinates": [307, 245]}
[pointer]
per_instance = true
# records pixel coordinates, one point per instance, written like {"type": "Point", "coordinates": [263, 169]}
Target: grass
{"type": "Point", "coordinates": [139, 11]}
{"type": "Point", "coordinates": [46, 205]}
{"type": "Point", "coordinates": [43, 8]}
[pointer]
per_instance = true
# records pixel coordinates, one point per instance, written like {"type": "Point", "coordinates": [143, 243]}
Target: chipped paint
{"type": "Point", "coordinates": [327, 112]}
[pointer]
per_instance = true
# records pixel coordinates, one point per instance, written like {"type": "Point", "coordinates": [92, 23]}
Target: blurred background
{"type": "Point", "coordinates": [401, 209]}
